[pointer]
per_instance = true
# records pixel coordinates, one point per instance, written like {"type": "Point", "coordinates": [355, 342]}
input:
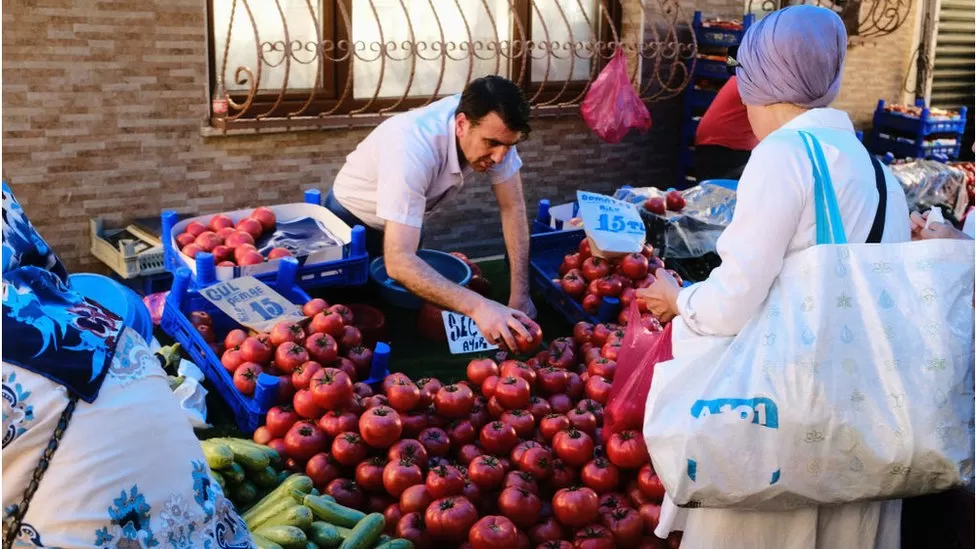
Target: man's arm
{"type": "Point", "coordinates": [515, 228]}
{"type": "Point", "coordinates": [495, 321]}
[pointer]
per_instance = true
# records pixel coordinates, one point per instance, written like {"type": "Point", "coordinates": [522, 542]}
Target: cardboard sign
{"type": "Point", "coordinates": [613, 226]}
{"type": "Point", "coordinates": [251, 303]}
{"type": "Point", "coordinates": [463, 335]}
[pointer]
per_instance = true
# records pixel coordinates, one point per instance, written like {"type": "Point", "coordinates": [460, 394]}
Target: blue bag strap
{"type": "Point", "coordinates": [830, 226]}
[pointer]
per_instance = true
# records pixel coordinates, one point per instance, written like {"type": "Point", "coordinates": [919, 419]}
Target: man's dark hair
{"type": "Point", "coordinates": [498, 95]}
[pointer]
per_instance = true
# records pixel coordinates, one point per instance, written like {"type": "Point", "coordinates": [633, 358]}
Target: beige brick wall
{"type": "Point", "coordinates": [103, 102]}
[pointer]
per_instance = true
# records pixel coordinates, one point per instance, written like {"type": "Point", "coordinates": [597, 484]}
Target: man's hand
{"type": "Point", "coordinates": [522, 302]}
{"type": "Point", "coordinates": [497, 322]}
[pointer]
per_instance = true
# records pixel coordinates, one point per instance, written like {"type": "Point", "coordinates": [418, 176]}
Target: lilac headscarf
{"type": "Point", "coordinates": [793, 55]}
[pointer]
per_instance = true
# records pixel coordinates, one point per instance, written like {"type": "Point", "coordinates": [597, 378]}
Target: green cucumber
{"type": "Point", "coordinates": [218, 455]}
{"type": "Point", "coordinates": [243, 494]}
{"type": "Point", "coordinates": [343, 531]}
{"type": "Point", "coordinates": [311, 545]}
{"type": "Point", "coordinates": [332, 512]}
{"type": "Point", "coordinates": [398, 543]}
{"type": "Point", "coordinates": [263, 543]}
{"type": "Point", "coordinates": [365, 534]}
{"type": "Point", "coordinates": [296, 515]}
{"type": "Point", "coordinates": [289, 537]}
{"type": "Point", "coordinates": [324, 535]}
{"type": "Point", "coordinates": [252, 458]}
{"type": "Point", "coordinates": [265, 478]}
{"type": "Point", "coordinates": [294, 482]}
{"type": "Point", "coordinates": [234, 473]}
{"type": "Point", "coordinates": [219, 479]}
{"type": "Point", "coordinates": [271, 452]}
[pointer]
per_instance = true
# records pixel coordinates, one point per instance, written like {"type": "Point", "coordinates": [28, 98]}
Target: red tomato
{"type": "Point", "coordinates": [400, 475]}
{"type": "Point", "coordinates": [301, 377]}
{"type": "Point", "coordinates": [436, 441]}
{"type": "Point", "coordinates": [486, 472]}
{"type": "Point", "coordinates": [369, 474]}
{"type": "Point", "coordinates": [314, 307]}
{"type": "Point", "coordinates": [413, 423]}
{"type": "Point", "coordinates": [403, 396]}
{"type": "Point", "coordinates": [611, 501]}
{"type": "Point", "coordinates": [348, 367]}
{"type": "Point", "coordinates": [517, 368]}
{"type": "Point", "coordinates": [350, 338]}
{"type": "Point", "coordinates": [322, 348]}
{"type": "Point", "coordinates": [498, 438]}
{"type": "Point", "coordinates": [336, 422]}
{"type": "Point", "coordinates": [305, 405]}
{"type": "Point", "coordinates": [392, 515]}
{"type": "Point", "coordinates": [428, 388]}
{"type": "Point", "coordinates": [348, 317]}
{"type": "Point", "coordinates": [304, 439]}
{"type": "Point", "coordinates": [322, 469]}
{"type": "Point", "coordinates": [468, 453]}
{"type": "Point", "coordinates": [600, 475]}
{"type": "Point", "coordinates": [627, 450]}
{"type": "Point", "coordinates": [598, 389]}
{"type": "Point", "coordinates": [563, 476]}
{"type": "Point", "coordinates": [552, 380]}
{"type": "Point", "coordinates": [489, 385]}
{"type": "Point", "coordinates": [495, 408]}
{"type": "Point", "coordinates": [287, 331]}
{"type": "Point", "coordinates": [415, 498]}
{"type": "Point", "coordinates": [570, 262]}
{"type": "Point", "coordinates": [573, 446]}
{"type": "Point", "coordinates": [513, 392]}
{"type": "Point", "coordinates": [262, 435]}
{"type": "Point", "coordinates": [562, 354]}
{"type": "Point", "coordinates": [602, 367]}
{"type": "Point", "coordinates": [280, 419]}
{"type": "Point", "coordinates": [594, 268]}
{"type": "Point", "coordinates": [408, 449]}
{"type": "Point", "coordinates": [626, 525]}
{"type": "Point", "coordinates": [555, 544]}
{"type": "Point", "coordinates": [528, 345]}
{"type": "Point", "coordinates": [520, 449]}
{"type": "Point", "coordinates": [561, 403]}
{"type": "Point", "coordinates": [594, 537]}
{"type": "Point", "coordinates": [547, 530]}
{"type": "Point", "coordinates": [520, 479]}
{"type": "Point", "coordinates": [450, 519]}
{"type": "Point", "coordinates": [327, 322]}
{"type": "Point", "coordinates": [650, 514]}
{"type": "Point", "coordinates": [461, 432]}
{"type": "Point", "coordinates": [537, 462]}
{"type": "Point", "coordinates": [522, 421]}
{"type": "Point", "coordinates": [583, 420]}
{"type": "Point", "coordinates": [479, 416]}
{"type": "Point", "coordinates": [380, 427]}
{"type": "Point", "coordinates": [246, 378]}
{"type": "Point", "coordinates": [445, 481]}
{"type": "Point", "coordinates": [346, 493]}
{"type": "Point", "coordinates": [573, 284]}
{"type": "Point", "coordinates": [552, 424]}
{"type": "Point", "coordinates": [412, 528]}
{"type": "Point", "coordinates": [349, 449]}
{"type": "Point", "coordinates": [331, 388]}
{"type": "Point", "coordinates": [290, 355]}
{"type": "Point", "coordinates": [520, 506]}
{"type": "Point", "coordinates": [493, 532]}
{"type": "Point", "coordinates": [231, 360]}
{"type": "Point", "coordinates": [593, 407]}
{"type": "Point", "coordinates": [634, 266]}
{"type": "Point", "coordinates": [255, 350]}
{"type": "Point", "coordinates": [649, 484]}
{"type": "Point", "coordinates": [584, 249]}
{"type": "Point", "coordinates": [575, 506]}
{"type": "Point", "coordinates": [454, 401]}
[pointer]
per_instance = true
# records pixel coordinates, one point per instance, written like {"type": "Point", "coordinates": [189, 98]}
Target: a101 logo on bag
{"type": "Point", "coordinates": [760, 411]}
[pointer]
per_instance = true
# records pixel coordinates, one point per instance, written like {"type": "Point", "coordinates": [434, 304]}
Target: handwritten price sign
{"type": "Point", "coordinates": [612, 225]}
{"type": "Point", "coordinates": [463, 335]}
{"type": "Point", "coordinates": [251, 303]}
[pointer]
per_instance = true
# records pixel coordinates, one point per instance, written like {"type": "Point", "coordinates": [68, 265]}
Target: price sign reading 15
{"type": "Point", "coordinates": [618, 223]}
{"type": "Point", "coordinates": [251, 303]}
{"type": "Point", "coordinates": [463, 335]}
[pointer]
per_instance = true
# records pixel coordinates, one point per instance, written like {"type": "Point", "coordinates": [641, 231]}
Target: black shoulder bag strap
{"type": "Point", "coordinates": [19, 511]}
{"type": "Point", "coordinates": [877, 228]}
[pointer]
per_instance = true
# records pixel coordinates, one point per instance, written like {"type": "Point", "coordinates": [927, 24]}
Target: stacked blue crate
{"type": "Point", "coordinates": [717, 41]}
{"type": "Point", "coordinates": [907, 136]}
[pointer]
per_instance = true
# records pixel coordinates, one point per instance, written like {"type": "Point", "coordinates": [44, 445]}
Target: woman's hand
{"type": "Point", "coordinates": [936, 230]}
{"type": "Point", "coordinates": [661, 297]}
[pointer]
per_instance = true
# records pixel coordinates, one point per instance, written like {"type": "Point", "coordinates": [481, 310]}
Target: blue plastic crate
{"type": "Point", "coordinates": [351, 270]}
{"type": "Point", "coordinates": [719, 37]}
{"type": "Point", "coordinates": [699, 99]}
{"type": "Point", "coordinates": [918, 126]}
{"type": "Point", "coordinates": [901, 149]}
{"type": "Point", "coordinates": [546, 254]}
{"type": "Point", "coordinates": [707, 68]}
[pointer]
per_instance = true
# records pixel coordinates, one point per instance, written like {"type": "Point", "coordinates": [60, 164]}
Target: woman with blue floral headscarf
{"type": "Point", "coordinates": [789, 68]}
{"type": "Point", "coordinates": [96, 450]}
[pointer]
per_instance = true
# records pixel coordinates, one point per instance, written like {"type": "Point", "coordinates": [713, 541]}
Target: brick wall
{"type": "Point", "coordinates": [102, 108]}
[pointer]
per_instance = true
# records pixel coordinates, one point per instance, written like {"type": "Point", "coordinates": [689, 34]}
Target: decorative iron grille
{"type": "Point", "coordinates": [320, 63]}
{"type": "Point", "coordinates": [865, 19]}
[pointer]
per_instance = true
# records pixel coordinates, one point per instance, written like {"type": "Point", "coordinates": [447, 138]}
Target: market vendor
{"type": "Point", "coordinates": [96, 450]}
{"type": "Point", "coordinates": [724, 138]}
{"type": "Point", "coordinates": [417, 161]}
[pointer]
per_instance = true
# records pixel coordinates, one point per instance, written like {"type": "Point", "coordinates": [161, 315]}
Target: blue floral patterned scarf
{"type": "Point", "coordinates": [49, 329]}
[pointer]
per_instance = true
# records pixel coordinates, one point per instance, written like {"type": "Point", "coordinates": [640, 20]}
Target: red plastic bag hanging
{"type": "Point", "coordinates": [641, 350]}
{"type": "Point", "coordinates": [612, 107]}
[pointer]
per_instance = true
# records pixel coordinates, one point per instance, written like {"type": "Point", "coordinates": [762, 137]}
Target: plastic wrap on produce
{"type": "Point", "coordinates": [693, 231]}
{"type": "Point", "coordinates": [930, 183]}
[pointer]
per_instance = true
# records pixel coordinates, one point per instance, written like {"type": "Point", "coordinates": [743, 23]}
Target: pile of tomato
{"type": "Point", "coordinates": [513, 456]}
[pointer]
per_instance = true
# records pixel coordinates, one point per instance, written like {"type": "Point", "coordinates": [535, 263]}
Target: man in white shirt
{"type": "Point", "coordinates": [415, 161]}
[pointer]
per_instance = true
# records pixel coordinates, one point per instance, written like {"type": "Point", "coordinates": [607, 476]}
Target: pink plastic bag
{"type": "Point", "coordinates": [612, 107]}
{"type": "Point", "coordinates": [642, 349]}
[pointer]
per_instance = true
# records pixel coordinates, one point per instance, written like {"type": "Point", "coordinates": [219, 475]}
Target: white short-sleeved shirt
{"type": "Point", "coordinates": [409, 165]}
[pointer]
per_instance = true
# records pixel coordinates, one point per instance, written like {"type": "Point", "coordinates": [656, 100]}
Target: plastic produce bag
{"type": "Point", "coordinates": [641, 350]}
{"type": "Point", "coordinates": [612, 107]}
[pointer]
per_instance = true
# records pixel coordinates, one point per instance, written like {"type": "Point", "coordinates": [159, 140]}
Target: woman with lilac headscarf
{"type": "Point", "coordinates": [789, 69]}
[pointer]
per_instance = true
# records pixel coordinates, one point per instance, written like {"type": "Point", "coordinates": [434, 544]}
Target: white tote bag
{"type": "Point", "coordinates": [854, 382]}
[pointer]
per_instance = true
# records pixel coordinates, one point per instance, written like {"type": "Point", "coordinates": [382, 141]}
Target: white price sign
{"type": "Point", "coordinates": [251, 303]}
{"type": "Point", "coordinates": [612, 225]}
{"type": "Point", "coordinates": [463, 335]}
